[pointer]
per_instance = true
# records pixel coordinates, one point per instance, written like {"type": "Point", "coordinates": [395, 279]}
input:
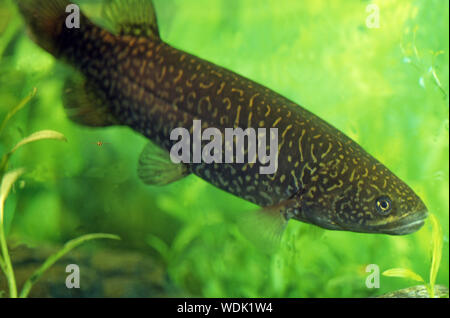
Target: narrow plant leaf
{"type": "Point", "coordinates": [5, 264]}
{"type": "Point", "coordinates": [437, 241]}
{"type": "Point", "coordinates": [19, 106]}
{"type": "Point", "coordinates": [52, 259]}
{"type": "Point", "coordinates": [159, 245]}
{"type": "Point", "coordinates": [7, 182]}
{"type": "Point", "coordinates": [43, 134]}
{"type": "Point", "coordinates": [403, 273]}
{"type": "Point", "coordinates": [2, 266]}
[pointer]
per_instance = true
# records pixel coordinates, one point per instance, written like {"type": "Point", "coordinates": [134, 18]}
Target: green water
{"type": "Point", "coordinates": [387, 88]}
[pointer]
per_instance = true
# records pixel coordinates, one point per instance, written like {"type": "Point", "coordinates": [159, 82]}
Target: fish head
{"type": "Point", "coordinates": [365, 198]}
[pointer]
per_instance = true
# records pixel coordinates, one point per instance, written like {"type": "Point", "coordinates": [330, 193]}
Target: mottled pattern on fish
{"type": "Point", "coordinates": [155, 88]}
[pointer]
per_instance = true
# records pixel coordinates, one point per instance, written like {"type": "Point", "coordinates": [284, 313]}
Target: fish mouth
{"type": "Point", "coordinates": [406, 225]}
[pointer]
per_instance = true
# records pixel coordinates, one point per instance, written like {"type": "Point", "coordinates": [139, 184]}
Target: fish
{"type": "Point", "coordinates": [127, 75]}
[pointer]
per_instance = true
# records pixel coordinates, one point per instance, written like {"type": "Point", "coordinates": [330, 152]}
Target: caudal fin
{"type": "Point", "coordinates": [45, 21]}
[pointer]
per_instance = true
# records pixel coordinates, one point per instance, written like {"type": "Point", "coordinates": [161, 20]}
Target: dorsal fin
{"type": "Point", "coordinates": [132, 17]}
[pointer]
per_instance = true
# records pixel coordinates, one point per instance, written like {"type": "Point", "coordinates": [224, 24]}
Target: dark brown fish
{"type": "Point", "coordinates": [131, 77]}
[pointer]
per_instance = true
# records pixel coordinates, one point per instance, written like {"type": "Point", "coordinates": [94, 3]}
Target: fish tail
{"type": "Point", "coordinates": [46, 21]}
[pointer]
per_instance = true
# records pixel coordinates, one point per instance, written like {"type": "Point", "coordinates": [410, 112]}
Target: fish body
{"type": "Point", "coordinates": [131, 77]}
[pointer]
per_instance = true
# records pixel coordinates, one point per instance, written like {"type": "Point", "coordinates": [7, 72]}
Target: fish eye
{"type": "Point", "coordinates": [383, 205]}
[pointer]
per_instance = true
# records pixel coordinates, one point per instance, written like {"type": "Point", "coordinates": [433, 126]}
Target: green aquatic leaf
{"type": "Point", "coordinates": [39, 135]}
{"type": "Point", "coordinates": [52, 259]}
{"type": "Point", "coordinates": [7, 182]}
{"type": "Point", "coordinates": [403, 273]}
{"type": "Point", "coordinates": [5, 261]}
{"type": "Point", "coordinates": [19, 106]}
{"type": "Point", "coordinates": [159, 245]}
{"type": "Point", "coordinates": [437, 241]}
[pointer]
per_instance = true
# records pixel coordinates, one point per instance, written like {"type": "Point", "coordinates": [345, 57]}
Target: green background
{"type": "Point", "coordinates": [387, 88]}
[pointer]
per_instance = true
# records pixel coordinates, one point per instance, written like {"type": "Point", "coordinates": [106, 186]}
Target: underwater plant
{"type": "Point", "coordinates": [353, 76]}
{"type": "Point", "coordinates": [427, 71]}
{"type": "Point", "coordinates": [8, 178]}
{"type": "Point", "coordinates": [437, 243]}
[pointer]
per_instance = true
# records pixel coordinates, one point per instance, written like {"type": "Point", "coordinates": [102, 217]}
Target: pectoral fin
{"type": "Point", "coordinates": [156, 168]}
{"type": "Point", "coordinates": [265, 227]}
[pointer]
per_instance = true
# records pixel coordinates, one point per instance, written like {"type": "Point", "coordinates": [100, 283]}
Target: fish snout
{"type": "Point", "coordinates": [410, 223]}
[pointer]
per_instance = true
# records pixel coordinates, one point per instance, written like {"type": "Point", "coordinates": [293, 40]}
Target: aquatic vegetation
{"type": "Point", "coordinates": [426, 69]}
{"type": "Point", "coordinates": [436, 256]}
{"type": "Point", "coordinates": [317, 53]}
{"type": "Point", "coordinates": [8, 178]}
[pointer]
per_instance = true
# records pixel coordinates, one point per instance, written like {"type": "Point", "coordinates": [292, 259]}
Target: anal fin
{"type": "Point", "coordinates": [156, 168]}
{"type": "Point", "coordinates": [86, 104]}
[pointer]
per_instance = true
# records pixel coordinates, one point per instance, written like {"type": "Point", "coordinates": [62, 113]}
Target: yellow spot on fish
{"type": "Point", "coordinates": [366, 172]}
{"type": "Point", "coordinates": [177, 79]}
{"type": "Point", "coordinates": [228, 101]}
{"type": "Point", "coordinates": [327, 151]}
{"type": "Point", "coordinates": [252, 99]}
{"type": "Point", "coordinates": [352, 175]}
{"type": "Point", "coordinates": [277, 121]}
{"type": "Point", "coordinates": [222, 85]}
{"type": "Point", "coordinates": [249, 124]}
{"type": "Point", "coordinates": [295, 179]}
{"type": "Point", "coordinates": [237, 90]}
{"type": "Point", "coordinates": [312, 154]}
{"type": "Point", "coordinates": [285, 131]}
{"type": "Point", "coordinates": [163, 73]}
{"type": "Point", "coordinates": [217, 74]}
{"type": "Point", "coordinates": [300, 145]}
{"type": "Point", "coordinates": [206, 86]}
{"type": "Point", "coordinates": [236, 122]}
{"type": "Point", "coordinates": [336, 186]}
